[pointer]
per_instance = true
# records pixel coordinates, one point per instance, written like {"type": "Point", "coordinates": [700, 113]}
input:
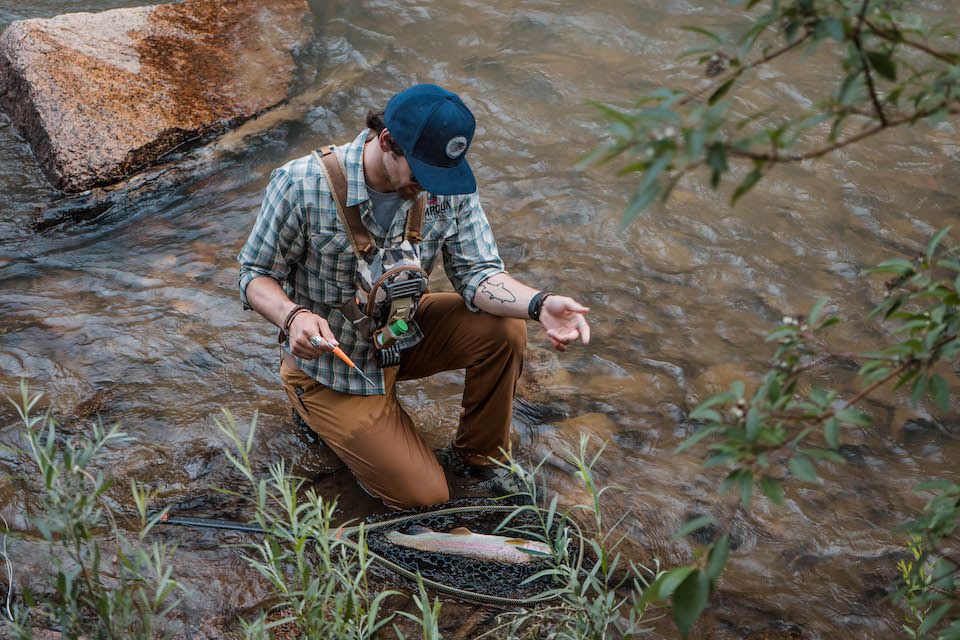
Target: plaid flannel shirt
{"type": "Point", "coordinates": [298, 240]}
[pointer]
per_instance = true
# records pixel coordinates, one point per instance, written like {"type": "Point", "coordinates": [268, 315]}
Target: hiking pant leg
{"type": "Point", "coordinates": [374, 436]}
{"type": "Point", "coordinates": [490, 348]}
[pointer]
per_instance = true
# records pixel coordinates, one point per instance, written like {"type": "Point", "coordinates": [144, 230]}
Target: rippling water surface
{"type": "Point", "coordinates": [141, 316]}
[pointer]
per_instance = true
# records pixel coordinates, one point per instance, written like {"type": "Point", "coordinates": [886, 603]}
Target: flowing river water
{"type": "Point", "coordinates": [138, 317]}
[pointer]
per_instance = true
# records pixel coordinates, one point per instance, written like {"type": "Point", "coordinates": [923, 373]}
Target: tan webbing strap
{"type": "Point", "coordinates": [336, 175]}
{"type": "Point", "coordinates": [415, 220]}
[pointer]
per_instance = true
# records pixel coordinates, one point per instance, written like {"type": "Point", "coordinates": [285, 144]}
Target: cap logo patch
{"type": "Point", "coordinates": [456, 147]}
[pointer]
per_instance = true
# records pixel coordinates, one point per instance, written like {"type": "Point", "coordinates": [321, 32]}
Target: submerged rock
{"type": "Point", "coordinates": [100, 96]}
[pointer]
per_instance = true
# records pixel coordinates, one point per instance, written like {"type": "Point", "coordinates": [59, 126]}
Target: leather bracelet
{"type": "Point", "coordinates": [536, 304]}
{"type": "Point", "coordinates": [290, 316]}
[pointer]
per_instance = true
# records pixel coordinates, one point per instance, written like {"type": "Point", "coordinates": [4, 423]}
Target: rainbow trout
{"type": "Point", "coordinates": [463, 542]}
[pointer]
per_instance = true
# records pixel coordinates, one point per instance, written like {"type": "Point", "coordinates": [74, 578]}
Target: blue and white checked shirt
{"type": "Point", "coordinates": [299, 241]}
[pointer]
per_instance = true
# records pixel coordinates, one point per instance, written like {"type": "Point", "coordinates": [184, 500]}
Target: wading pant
{"type": "Point", "coordinates": [376, 438]}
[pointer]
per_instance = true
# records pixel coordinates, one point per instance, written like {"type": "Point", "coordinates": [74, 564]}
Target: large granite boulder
{"type": "Point", "coordinates": [101, 95]}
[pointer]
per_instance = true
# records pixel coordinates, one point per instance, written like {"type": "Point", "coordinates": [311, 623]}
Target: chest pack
{"type": "Point", "coordinates": [390, 281]}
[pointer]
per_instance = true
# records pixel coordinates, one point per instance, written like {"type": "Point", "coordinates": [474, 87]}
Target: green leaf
{"type": "Point", "coordinates": [672, 579]}
{"type": "Point", "coordinates": [934, 241]}
{"type": "Point", "coordinates": [730, 480]}
{"type": "Point", "coordinates": [940, 392]}
{"type": "Point", "coordinates": [834, 28]}
{"type": "Point", "coordinates": [815, 312]}
{"type": "Point", "coordinates": [695, 143]}
{"type": "Point", "coordinates": [781, 332]}
{"type": "Point", "coordinates": [693, 525]}
{"type": "Point", "coordinates": [689, 600]}
{"type": "Point", "coordinates": [612, 114]}
{"type": "Point", "coordinates": [882, 63]}
{"type": "Point", "coordinates": [697, 437]}
{"type": "Point", "coordinates": [721, 91]}
{"type": "Point", "coordinates": [753, 423]}
{"type": "Point", "coordinates": [919, 388]}
{"type": "Point", "coordinates": [639, 203]}
{"type": "Point", "coordinates": [949, 263]}
{"type": "Point", "coordinates": [746, 488]}
{"type": "Point", "coordinates": [711, 401]}
{"type": "Point", "coordinates": [900, 266]}
{"type": "Point", "coordinates": [718, 557]}
{"type": "Point", "coordinates": [850, 415]}
{"type": "Point", "coordinates": [937, 484]}
{"type": "Point", "coordinates": [847, 94]}
{"type": "Point", "coordinates": [812, 121]}
{"type": "Point", "coordinates": [702, 31]}
{"type": "Point", "coordinates": [772, 489]}
{"type": "Point", "coordinates": [717, 161]}
{"type": "Point", "coordinates": [830, 432]}
{"type": "Point", "coordinates": [748, 183]}
{"type": "Point", "coordinates": [737, 389]}
{"type": "Point", "coordinates": [933, 618]}
{"type": "Point", "coordinates": [694, 50]}
{"type": "Point", "coordinates": [824, 454]}
{"type": "Point", "coordinates": [801, 467]}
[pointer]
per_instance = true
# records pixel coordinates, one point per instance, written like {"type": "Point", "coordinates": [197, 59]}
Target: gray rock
{"type": "Point", "coordinates": [100, 96]}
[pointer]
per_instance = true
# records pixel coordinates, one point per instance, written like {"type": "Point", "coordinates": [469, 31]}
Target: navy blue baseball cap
{"type": "Point", "coordinates": [434, 128]}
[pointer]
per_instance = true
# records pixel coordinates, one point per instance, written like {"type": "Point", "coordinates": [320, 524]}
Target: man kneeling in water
{"type": "Point", "coordinates": [407, 195]}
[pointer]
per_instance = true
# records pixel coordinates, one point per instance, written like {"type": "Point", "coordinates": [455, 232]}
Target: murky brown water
{"type": "Point", "coordinates": [146, 307]}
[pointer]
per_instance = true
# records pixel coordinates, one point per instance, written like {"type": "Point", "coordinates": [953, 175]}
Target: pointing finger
{"type": "Point", "coordinates": [584, 328]}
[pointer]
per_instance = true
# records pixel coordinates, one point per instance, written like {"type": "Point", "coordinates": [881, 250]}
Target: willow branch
{"type": "Point", "coordinates": [873, 386]}
{"type": "Point", "coordinates": [866, 67]}
{"type": "Point", "coordinates": [741, 70]}
{"type": "Point", "coordinates": [816, 153]}
{"type": "Point", "coordinates": [949, 58]}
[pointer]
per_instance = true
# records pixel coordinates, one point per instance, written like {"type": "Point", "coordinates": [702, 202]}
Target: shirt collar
{"type": "Point", "coordinates": [353, 163]}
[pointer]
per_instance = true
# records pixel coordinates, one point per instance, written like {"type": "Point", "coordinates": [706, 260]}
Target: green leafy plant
{"type": "Point", "coordinates": [120, 589]}
{"type": "Point", "coordinates": [612, 598]}
{"type": "Point", "coordinates": [891, 70]}
{"type": "Point", "coordinates": [319, 582]}
{"type": "Point", "coordinates": [780, 426]}
{"type": "Point", "coordinates": [916, 584]}
{"type": "Point", "coordinates": [929, 584]}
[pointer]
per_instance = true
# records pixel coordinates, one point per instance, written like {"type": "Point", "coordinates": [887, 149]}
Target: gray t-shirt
{"type": "Point", "coordinates": [385, 207]}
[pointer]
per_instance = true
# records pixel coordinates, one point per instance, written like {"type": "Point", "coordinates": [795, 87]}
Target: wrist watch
{"type": "Point", "coordinates": [536, 304]}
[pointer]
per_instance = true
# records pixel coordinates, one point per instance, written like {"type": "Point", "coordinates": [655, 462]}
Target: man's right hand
{"type": "Point", "coordinates": [305, 325]}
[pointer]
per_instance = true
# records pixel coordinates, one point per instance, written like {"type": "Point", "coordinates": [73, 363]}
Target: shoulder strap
{"type": "Point", "coordinates": [336, 175]}
{"type": "Point", "coordinates": [415, 220]}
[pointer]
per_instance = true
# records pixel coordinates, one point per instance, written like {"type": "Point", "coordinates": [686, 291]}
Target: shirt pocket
{"type": "Point", "coordinates": [332, 268]}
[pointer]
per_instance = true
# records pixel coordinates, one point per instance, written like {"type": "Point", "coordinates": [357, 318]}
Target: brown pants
{"type": "Point", "coordinates": [376, 438]}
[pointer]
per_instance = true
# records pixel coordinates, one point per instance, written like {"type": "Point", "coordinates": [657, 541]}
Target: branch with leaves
{"type": "Point", "coordinates": [890, 73]}
{"type": "Point", "coordinates": [778, 426]}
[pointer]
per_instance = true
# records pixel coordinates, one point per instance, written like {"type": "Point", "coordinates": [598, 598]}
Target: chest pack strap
{"type": "Point", "coordinates": [360, 237]}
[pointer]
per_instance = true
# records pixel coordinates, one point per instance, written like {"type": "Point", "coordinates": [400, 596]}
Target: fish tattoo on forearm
{"type": "Point", "coordinates": [498, 292]}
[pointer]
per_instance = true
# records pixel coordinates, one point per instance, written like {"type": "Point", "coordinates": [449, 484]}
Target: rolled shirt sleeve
{"type": "Point", "coordinates": [277, 239]}
{"type": "Point", "coordinates": [470, 256]}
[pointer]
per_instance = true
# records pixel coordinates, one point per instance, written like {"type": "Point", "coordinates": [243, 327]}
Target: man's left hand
{"type": "Point", "coordinates": [564, 320]}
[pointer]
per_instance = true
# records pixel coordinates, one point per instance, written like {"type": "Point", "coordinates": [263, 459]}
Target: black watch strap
{"type": "Point", "coordinates": [536, 304]}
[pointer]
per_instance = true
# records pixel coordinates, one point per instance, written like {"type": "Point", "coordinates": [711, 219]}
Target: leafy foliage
{"type": "Point", "coordinates": [315, 576]}
{"type": "Point", "coordinates": [780, 427]}
{"type": "Point", "coordinates": [104, 590]}
{"type": "Point", "coordinates": [889, 73]}
{"type": "Point", "coordinates": [607, 600]}
{"type": "Point", "coordinates": [890, 69]}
